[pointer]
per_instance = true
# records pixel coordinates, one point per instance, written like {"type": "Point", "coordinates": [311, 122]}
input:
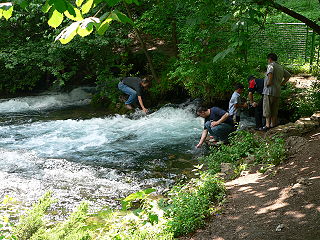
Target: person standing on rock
{"type": "Point", "coordinates": [276, 76]}
{"type": "Point", "coordinates": [217, 122]}
{"type": "Point", "coordinates": [133, 87]}
{"type": "Point", "coordinates": [256, 85]}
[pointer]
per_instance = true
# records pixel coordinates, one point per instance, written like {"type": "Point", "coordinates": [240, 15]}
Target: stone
{"type": "Point", "coordinates": [316, 116]}
{"type": "Point", "coordinates": [295, 143]}
{"type": "Point", "coordinates": [249, 160]}
{"type": "Point", "coordinates": [226, 167]}
{"type": "Point", "coordinates": [280, 227]}
{"type": "Point", "coordinates": [244, 173]}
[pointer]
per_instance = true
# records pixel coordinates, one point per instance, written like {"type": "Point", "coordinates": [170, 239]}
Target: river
{"type": "Point", "coordinates": [57, 142]}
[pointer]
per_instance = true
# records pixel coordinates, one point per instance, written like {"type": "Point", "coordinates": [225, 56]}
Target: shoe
{"type": "Point", "coordinates": [128, 106]}
{"type": "Point", "coordinates": [264, 129]}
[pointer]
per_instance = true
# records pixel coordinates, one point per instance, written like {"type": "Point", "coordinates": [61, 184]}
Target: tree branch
{"type": "Point", "coordinates": [298, 16]}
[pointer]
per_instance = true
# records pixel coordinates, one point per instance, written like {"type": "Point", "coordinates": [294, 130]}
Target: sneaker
{"type": "Point", "coordinates": [264, 129]}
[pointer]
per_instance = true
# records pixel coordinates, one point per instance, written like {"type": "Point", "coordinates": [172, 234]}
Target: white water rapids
{"type": "Point", "coordinates": [98, 159]}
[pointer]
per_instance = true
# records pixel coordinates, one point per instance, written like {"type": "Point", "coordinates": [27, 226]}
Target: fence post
{"type": "Point", "coordinates": [312, 49]}
{"type": "Point", "coordinates": [306, 46]}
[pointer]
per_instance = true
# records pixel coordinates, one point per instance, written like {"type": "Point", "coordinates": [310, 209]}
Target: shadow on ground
{"type": "Point", "coordinates": [284, 205]}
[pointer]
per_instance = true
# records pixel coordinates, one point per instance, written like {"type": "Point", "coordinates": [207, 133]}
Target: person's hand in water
{"type": "Point", "coordinates": [145, 110]}
{"type": "Point", "coordinates": [199, 145]}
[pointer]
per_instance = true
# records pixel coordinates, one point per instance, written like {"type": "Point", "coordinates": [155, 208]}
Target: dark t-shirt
{"type": "Point", "coordinates": [216, 113]}
{"type": "Point", "coordinates": [134, 83]}
{"type": "Point", "coordinates": [256, 85]}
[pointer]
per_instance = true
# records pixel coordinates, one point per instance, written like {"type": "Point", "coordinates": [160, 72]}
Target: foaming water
{"type": "Point", "coordinates": [98, 159]}
{"type": "Point", "coordinates": [78, 96]}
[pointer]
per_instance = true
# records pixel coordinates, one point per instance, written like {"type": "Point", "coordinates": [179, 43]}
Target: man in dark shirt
{"type": "Point", "coordinates": [132, 86]}
{"type": "Point", "coordinates": [256, 85]}
{"type": "Point", "coordinates": [217, 122]}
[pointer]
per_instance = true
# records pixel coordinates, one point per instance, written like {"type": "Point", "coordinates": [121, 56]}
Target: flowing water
{"type": "Point", "coordinates": [58, 143]}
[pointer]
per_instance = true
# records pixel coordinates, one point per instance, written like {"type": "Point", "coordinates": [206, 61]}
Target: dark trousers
{"type": "Point", "coordinates": [258, 114]}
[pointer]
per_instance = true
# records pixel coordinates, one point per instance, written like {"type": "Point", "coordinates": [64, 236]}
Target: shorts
{"type": "Point", "coordinates": [270, 106]}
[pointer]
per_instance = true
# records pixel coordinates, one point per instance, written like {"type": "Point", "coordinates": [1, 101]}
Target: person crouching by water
{"type": "Point", "coordinates": [133, 87]}
{"type": "Point", "coordinates": [217, 122]}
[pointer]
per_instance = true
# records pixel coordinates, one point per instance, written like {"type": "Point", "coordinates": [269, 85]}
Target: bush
{"type": "Point", "coordinates": [270, 151]}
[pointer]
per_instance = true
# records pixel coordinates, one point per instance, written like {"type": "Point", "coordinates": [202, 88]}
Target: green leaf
{"type": "Point", "coordinates": [71, 9]}
{"type": "Point", "coordinates": [68, 33]}
{"type": "Point", "coordinates": [1, 12]}
{"type": "Point", "coordinates": [77, 17]}
{"type": "Point", "coordinates": [112, 3]}
{"type": "Point", "coordinates": [104, 26]}
{"type": "Point", "coordinates": [86, 26]}
{"type": "Point", "coordinates": [136, 2]}
{"type": "Point", "coordinates": [79, 3]}
{"type": "Point", "coordinates": [148, 190]}
{"type": "Point", "coordinates": [223, 54]}
{"type": "Point", "coordinates": [128, 1]}
{"type": "Point", "coordinates": [46, 7]}
{"type": "Point", "coordinates": [120, 17]}
{"type": "Point", "coordinates": [60, 5]}
{"type": "Point", "coordinates": [153, 218]}
{"type": "Point", "coordinates": [7, 13]}
{"type": "Point", "coordinates": [23, 4]}
{"type": "Point", "coordinates": [55, 19]}
{"type": "Point", "coordinates": [6, 6]}
{"type": "Point", "coordinates": [86, 7]}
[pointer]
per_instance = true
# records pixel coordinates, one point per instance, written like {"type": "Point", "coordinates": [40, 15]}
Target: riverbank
{"type": "Point", "coordinates": [282, 204]}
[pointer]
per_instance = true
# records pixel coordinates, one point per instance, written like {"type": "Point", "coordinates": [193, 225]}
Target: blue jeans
{"type": "Point", "coordinates": [219, 132]}
{"type": "Point", "coordinates": [129, 91]}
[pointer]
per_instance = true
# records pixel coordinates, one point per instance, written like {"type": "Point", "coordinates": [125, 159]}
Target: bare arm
{"type": "Point", "coordinates": [141, 104]}
{"type": "Point", "coordinates": [287, 76]}
{"type": "Point", "coordinates": [221, 120]}
{"type": "Point", "coordinates": [270, 78]}
{"type": "Point", "coordinates": [203, 138]}
{"type": "Point", "coordinates": [250, 96]}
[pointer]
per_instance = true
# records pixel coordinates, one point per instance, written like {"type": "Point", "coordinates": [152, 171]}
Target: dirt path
{"type": "Point", "coordinates": [284, 205]}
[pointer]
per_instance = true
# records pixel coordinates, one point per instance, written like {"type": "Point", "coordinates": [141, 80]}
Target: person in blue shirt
{"type": "Point", "coordinates": [217, 122]}
{"type": "Point", "coordinates": [235, 104]}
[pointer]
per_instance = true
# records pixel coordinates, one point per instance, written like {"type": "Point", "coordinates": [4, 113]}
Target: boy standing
{"type": "Point", "coordinates": [235, 104]}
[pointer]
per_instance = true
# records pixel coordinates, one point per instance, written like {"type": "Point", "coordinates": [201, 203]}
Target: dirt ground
{"type": "Point", "coordinates": [283, 205]}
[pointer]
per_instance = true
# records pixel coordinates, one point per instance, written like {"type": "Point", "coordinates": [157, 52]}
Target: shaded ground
{"type": "Point", "coordinates": [284, 205]}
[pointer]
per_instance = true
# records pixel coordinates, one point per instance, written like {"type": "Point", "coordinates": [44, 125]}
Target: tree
{"type": "Point", "coordinates": [271, 3]}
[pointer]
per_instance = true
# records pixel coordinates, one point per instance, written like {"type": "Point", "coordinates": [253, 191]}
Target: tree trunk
{"type": "Point", "coordinates": [298, 16]}
{"type": "Point", "coordinates": [143, 45]}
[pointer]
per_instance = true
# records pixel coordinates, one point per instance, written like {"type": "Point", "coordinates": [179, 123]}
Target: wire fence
{"type": "Point", "coordinates": [294, 42]}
